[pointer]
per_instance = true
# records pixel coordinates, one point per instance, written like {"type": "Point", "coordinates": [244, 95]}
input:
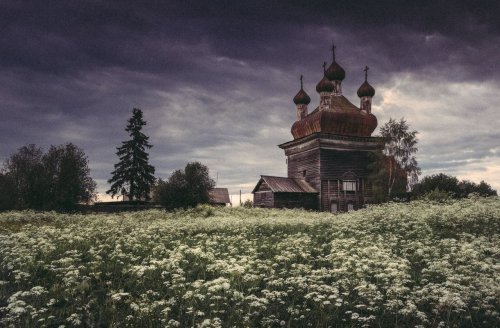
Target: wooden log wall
{"type": "Point", "coordinates": [296, 200]}
{"type": "Point", "coordinates": [308, 161]}
{"type": "Point", "coordinates": [332, 190]}
{"type": "Point", "coordinates": [263, 199]}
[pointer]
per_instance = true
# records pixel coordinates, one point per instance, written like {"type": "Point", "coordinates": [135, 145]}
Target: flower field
{"type": "Point", "coordinates": [408, 265]}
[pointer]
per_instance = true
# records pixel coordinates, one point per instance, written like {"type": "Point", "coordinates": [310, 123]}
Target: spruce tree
{"type": "Point", "coordinates": [133, 175]}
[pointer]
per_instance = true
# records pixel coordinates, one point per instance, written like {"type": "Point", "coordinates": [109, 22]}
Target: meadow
{"type": "Point", "coordinates": [410, 265]}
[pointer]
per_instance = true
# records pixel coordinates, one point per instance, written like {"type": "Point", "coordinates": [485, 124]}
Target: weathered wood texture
{"type": "Point", "coordinates": [263, 199]}
{"type": "Point", "coordinates": [326, 169]}
{"type": "Point", "coordinates": [296, 200]}
{"type": "Point", "coordinates": [306, 165]}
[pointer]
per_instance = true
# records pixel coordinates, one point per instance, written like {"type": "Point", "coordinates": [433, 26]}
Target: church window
{"type": "Point", "coordinates": [304, 173]}
{"type": "Point", "coordinates": [350, 207]}
{"type": "Point", "coordinates": [349, 185]}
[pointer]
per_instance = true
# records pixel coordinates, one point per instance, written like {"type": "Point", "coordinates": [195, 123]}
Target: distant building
{"type": "Point", "coordinates": [219, 197]}
{"type": "Point", "coordinates": [329, 158]}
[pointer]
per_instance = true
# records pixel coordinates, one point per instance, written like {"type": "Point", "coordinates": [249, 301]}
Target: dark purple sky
{"type": "Point", "coordinates": [215, 79]}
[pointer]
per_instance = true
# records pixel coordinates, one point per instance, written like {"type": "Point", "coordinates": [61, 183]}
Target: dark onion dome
{"type": "Point", "coordinates": [366, 90]}
{"type": "Point", "coordinates": [342, 118]}
{"type": "Point", "coordinates": [301, 98]}
{"type": "Point", "coordinates": [335, 72]}
{"type": "Point", "coordinates": [324, 85]}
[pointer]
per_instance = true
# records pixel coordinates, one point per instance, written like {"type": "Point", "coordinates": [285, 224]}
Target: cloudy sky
{"type": "Point", "coordinates": [215, 79]}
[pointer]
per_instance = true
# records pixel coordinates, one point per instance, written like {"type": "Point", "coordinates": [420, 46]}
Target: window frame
{"type": "Point", "coordinates": [349, 185]}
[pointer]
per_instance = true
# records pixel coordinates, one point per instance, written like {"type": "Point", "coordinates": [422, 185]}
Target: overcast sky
{"type": "Point", "coordinates": [215, 79]}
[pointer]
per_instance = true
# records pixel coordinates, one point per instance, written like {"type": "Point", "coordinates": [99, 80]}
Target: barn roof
{"type": "Point", "coordinates": [280, 184]}
{"type": "Point", "coordinates": [219, 196]}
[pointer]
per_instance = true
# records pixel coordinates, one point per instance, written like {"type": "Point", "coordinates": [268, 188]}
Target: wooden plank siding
{"type": "Point", "coordinates": [326, 169]}
{"type": "Point", "coordinates": [332, 191]}
{"type": "Point", "coordinates": [263, 199]}
{"type": "Point", "coordinates": [296, 200]}
{"type": "Point", "coordinates": [328, 160]}
{"type": "Point", "coordinates": [308, 161]}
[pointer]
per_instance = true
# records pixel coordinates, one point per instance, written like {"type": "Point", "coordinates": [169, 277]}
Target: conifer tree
{"type": "Point", "coordinates": [133, 175]}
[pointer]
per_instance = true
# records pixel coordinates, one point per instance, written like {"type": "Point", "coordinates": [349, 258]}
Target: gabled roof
{"type": "Point", "coordinates": [280, 184]}
{"type": "Point", "coordinates": [219, 196]}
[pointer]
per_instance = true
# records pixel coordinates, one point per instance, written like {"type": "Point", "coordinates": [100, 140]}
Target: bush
{"type": "Point", "coordinates": [445, 184]}
{"type": "Point", "coordinates": [247, 204]}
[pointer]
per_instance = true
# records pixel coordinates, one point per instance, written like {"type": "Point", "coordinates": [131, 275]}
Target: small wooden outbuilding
{"type": "Point", "coordinates": [279, 192]}
{"type": "Point", "coordinates": [219, 197]}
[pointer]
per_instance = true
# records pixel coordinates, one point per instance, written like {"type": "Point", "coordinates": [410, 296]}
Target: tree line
{"type": "Point", "coordinates": [56, 180]}
{"type": "Point", "coordinates": [60, 178]}
{"type": "Point", "coordinates": [394, 172]}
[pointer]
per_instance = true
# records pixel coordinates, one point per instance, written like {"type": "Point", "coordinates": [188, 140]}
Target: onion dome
{"type": "Point", "coordinates": [342, 118]}
{"type": "Point", "coordinates": [366, 90]}
{"type": "Point", "coordinates": [301, 98]}
{"type": "Point", "coordinates": [325, 85]}
{"type": "Point", "coordinates": [335, 72]}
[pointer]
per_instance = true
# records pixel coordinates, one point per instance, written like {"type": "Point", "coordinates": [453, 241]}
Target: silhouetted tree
{"type": "Point", "coordinates": [400, 144]}
{"type": "Point", "coordinates": [28, 175]}
{"type": "Point", "coordinates": [133, 175]}
{"type": "Point", "coordinates": [57, 180]}
{"type": "Point", "coordinates": [8, 193]}
{"type": "Point", "coordinates": [186, 188]}
{"type": "Point", "coordinates": [69, 181]}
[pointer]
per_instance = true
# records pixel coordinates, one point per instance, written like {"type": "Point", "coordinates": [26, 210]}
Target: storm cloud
{"type": "Point", "coordinates": [215, 79]}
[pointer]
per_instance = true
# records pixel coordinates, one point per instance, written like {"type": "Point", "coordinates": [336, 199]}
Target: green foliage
{"type": "Point", "coordinates": [421, 264]}
{"type": "Point", "coordinates": [186, 188]}
{"type": "Point", "coordinates": [437, 195]}
{"type": "Point", "coordinates": [69, 182]}
{"type": "Point", "coordinates": [400, 145]}
{"type": "Point", "coordinates": [133, 175]}
{"type": "Point", "coordinates": [384, 172]}
{"type": "Point", "coordinates": [26, 170]}
{"type": "Point", "coordinates": [59, 179]}
{"type": "Point", "coordinates": [451, 186]}
{"type": "Point", "coordinates": [8, 193]}
{"type": "Point", "coordinates": [247, 204]}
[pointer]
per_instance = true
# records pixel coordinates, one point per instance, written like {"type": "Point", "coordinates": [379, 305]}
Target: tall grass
{"type": "Point", "coordinates": [417, 264]}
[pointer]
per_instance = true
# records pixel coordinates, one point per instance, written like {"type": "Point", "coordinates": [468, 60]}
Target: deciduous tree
{"type": "Point", "coordinates": [68, 177]}
{"type": "Point", "coordinates": [400, 144]}
{"type": "Point", "coordinates": [26, 170]}
{"type": "Point", "coordinates": [451, 186]}
{"type": "Point", "coordinates": [8, 193]}
{"type": "Point", "coordinates": [58, 180]}
{"type": "Point", "coordinates": [185, 188]}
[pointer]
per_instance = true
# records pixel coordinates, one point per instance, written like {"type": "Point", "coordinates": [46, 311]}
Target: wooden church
{"type": "Point", "coordinates": [330, 155]}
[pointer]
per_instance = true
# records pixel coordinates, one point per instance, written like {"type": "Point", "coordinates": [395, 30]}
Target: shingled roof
{"type": "Point", "coordinates": [219, 196]}
{"type": "Point", "coordinates": [280, 184]}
